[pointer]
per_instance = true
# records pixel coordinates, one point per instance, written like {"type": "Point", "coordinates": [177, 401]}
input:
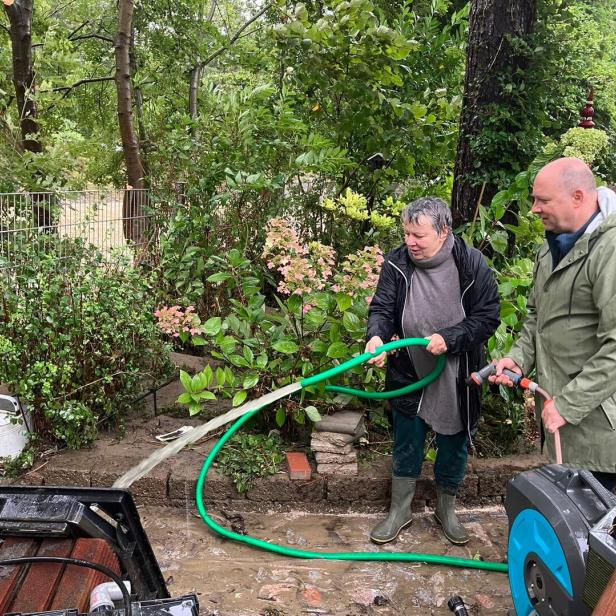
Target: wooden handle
{"type": "Point", "coordinates": [559, 453]}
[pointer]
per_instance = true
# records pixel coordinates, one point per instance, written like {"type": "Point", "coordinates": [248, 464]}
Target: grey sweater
{"type": "Point", "coordinates": [433, 303]}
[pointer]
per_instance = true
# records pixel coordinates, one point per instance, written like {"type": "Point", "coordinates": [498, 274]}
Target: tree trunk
{"type": "Point", "coordinates": [20, 19]}
{"type": "Point", "coordinates": [490, 55]}
{"type": "Point", "coordinates": [195, 77]}
{"type": "Point", "coordinates": [134, 214]}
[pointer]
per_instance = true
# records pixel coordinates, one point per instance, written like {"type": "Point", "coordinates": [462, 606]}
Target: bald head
{"type": "Point", "coordinates": [565, 195]}
{"type": "Point", "coordinates": [570, 174]}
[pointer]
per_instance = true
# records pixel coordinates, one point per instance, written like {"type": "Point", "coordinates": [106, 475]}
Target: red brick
{"type": "Point", "coordinates": [299, 467]}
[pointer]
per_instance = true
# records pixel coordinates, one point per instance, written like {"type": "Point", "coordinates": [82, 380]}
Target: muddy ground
{"type": "Point", "coordinates": [232, 579]}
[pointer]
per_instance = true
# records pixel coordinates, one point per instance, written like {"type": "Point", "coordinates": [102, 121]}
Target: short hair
{"type": "Point", "coordinates": [576, 177]}
{"type": "Point", "coordinates": [433, 208]}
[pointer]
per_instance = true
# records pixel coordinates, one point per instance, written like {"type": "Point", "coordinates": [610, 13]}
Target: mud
{"type": "Point", "coordinates": [232, 579]}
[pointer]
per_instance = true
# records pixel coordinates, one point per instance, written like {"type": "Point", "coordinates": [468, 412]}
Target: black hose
{"type": "Point", "coordinates": [25, 560]}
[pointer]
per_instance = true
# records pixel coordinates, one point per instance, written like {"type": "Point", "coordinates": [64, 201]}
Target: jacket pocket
{"type": "Point", "coordinates": [609, 408]}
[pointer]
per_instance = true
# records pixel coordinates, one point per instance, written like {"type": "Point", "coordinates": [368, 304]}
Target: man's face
{"type": "Point", "coordinates": [421, 238]}
{"type": "Point", "coordinates": [552, 203]}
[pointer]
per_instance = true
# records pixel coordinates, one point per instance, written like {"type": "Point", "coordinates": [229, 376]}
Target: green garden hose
{"type": "Point", "coordinates": [372, 556]}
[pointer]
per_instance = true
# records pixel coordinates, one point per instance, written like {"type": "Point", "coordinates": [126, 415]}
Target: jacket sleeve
{"type": "Point", "coordinates": [596, 383]}
{"type": "Point", "coordinates": [483, 317]}
{"type": "Point", "coordinates": [383, 305]}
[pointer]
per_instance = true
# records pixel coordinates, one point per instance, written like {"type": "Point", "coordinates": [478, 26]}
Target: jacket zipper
{"type": "Point", "coordinates": [468, 396]}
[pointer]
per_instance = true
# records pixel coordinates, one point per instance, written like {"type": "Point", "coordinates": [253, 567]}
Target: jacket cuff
{"type": "Point", "coordinates": [518, 358]}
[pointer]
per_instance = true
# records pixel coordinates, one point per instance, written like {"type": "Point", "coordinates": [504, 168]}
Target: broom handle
{"type": "Point", "coordinates": [559, 453]}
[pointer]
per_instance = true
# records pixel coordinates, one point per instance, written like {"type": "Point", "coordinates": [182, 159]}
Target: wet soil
{"type": "Point", "coordinates": [234, 579]}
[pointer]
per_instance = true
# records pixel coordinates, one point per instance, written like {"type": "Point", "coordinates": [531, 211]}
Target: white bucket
{"type": "Point", "coordinates": [13, 431]}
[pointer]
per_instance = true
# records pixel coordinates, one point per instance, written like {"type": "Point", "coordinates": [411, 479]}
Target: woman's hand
{"type": "Point", "coordinates": [437, 344]}
{"type": "Point", "coordinates": [374, 343]}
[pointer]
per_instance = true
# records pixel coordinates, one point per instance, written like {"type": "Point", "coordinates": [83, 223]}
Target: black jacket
{"type": "Point", "coordinates": [481, 307]}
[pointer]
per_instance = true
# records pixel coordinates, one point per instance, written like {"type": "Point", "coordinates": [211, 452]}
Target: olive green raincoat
{"type": "Point", "coordinates": [569, 337]}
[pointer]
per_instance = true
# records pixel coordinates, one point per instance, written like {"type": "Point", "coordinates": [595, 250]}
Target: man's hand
{"type": "Point", "coordinates": [374, 343]}
{"type": "Point", "coordinates": [552, 419]}
{"type": "Point", "coordinates": [501, 379]}
{"type": "Point", "coordinates": [437, 344]}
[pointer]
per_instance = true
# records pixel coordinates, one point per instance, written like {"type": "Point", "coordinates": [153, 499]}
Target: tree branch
{"type": "Point", "coordinates": [102, 37]}
{"type": "Point", "coordinates": [237, 35]}
{"type": "Point", "coordinates": [68, 89]}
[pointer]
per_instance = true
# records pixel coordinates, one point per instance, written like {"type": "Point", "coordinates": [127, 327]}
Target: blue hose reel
{"type": "Point", "coordinates": [562, 543]}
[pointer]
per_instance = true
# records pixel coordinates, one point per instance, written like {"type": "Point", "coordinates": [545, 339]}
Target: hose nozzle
{"type": "Point", "coordinates": [481, 376]}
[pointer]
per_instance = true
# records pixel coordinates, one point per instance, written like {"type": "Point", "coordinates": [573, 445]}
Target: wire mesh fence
{"type": "Point", "coordinates": [116, 222]}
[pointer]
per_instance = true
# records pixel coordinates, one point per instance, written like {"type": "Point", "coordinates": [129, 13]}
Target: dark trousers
{"type": "Point", "coordinates": [409, 439]}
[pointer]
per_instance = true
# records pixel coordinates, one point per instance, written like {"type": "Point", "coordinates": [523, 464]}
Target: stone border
{"type": "Point", "coordinates": [174, 482]}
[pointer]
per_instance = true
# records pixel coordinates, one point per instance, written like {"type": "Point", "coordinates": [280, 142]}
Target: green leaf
{"type": "Point", "coordinates": [239, 397]}
{"type": "Point", "coordinates": [228, 344]}
{"type": "Point", "coordinates": [220, 377]}
{"type": "Point", "coordinates": [208, 373]}
{"type": "Point", "coordinates": [351, 321]}
{"type": "Point", "coordinates": [212, 326]}
{"type": "Point", "coordinates": [281, 417]}
{"type": "Point", "coordinates": [248, 354]}
{"type": "Point", "coordinates": [343, 301]}
{"type": "Point", "coordinates": [294, 303]}
{"type": "Point", "coordinates": [250, 381]}
{"type": "Point", "coordinates": [337, 350]}
{"type": "Point", "coordinates": [186, 380]}
{"type": "Point", "coordinates": [498, 241]}
{"type": "Point", "coordinates": [194, 409]}
{"type": "Point", "coordinates": [206, 395]}
{"type": "Point", "coordinates": [261, 361]}
{"type": "Point", "coordinates": [184, 398]}
{"type": "Point", "coordinates": [313, 413]}
{"type": "Point", "coordinates": [198, 340]}
{"type": "Point", "coordinates": [285, 346]}
{"type": "Point", "coordinates": [219, 277]}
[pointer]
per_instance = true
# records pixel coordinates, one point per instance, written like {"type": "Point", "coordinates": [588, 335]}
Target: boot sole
{"type": "Point", "coordinates": [454, 541]}
{"type": "Point", "coordinates": [382, 541]}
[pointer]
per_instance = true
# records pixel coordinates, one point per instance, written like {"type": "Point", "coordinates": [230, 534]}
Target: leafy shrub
{"type": "Point", "coordinates": [77, 339]}
{"type": "Point", "coordinates": [248, 456]}
{"type": "Point", "coordinates": [319, 321]}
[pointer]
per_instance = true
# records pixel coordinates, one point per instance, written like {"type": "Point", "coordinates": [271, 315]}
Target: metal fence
{"type": "Point", "coordinates": [114, 221]}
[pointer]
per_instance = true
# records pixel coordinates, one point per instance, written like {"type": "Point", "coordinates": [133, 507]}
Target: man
{"type": "Point", "coordinates": [569, 336]}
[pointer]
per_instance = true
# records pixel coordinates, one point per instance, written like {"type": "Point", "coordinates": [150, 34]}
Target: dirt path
{"type": "Point", "coordinates": [236, 580]}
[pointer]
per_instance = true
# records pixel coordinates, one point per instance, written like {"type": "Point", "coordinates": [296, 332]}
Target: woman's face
{"type": "Point", "coordinates": [421, 238]}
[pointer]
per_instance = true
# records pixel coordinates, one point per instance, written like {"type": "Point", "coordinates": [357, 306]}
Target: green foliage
{"type": "Point", "coordinates": [14, 467]}
{"type": "Point", "coordinates": [78, 339]}
{"type": "Point", "coordinates": [319, 320]}
{"type": "Point", "coordinates": [249, 456]}
{"type": "Point", "coordinates": [585, 143]}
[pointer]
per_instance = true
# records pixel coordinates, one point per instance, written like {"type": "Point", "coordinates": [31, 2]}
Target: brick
{"type": "Point", "coordinates": [299, 467]}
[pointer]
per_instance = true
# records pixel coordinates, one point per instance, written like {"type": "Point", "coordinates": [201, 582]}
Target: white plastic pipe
{"type": "Point", "coordinates": [103, 595]}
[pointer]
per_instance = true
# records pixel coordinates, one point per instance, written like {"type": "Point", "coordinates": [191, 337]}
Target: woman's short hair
{"type": "Point", "coordinates": [433, 208]}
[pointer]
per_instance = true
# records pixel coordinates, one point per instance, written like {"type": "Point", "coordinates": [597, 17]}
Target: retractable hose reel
{"type": "Point", "coordinates": [562, 539]}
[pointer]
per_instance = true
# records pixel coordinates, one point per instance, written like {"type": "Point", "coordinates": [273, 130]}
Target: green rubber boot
{"type": "Point", "coordinates": [445, 515]}
{"type": "Point", "coordinates": [402, 492]}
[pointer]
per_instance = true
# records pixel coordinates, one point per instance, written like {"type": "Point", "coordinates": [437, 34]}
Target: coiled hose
{"type": "Point", "coordinates": [450, 561]}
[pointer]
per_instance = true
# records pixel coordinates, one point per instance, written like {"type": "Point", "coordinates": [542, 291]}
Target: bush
{"type": "Point", "coordinates": [77, 339]}
{"type": "Point", "coordinates": [248, 456]}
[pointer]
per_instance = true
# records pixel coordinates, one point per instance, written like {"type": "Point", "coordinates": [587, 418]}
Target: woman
{"type": "Point", "coordinates": [436, 287]}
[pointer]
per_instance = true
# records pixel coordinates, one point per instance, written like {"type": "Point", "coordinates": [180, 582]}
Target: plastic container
{"type": "Point", "coordinates": [13, 430]}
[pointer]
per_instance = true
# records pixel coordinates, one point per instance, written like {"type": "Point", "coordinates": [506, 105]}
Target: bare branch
{"type": "Point", "coordinates": [102, 37]}
{"type": "Point", "coordinates": [237, 35]}
{"type": "Point", "coordinates": [68, 89]}
{"type": "Point", "coordinates": [81, 27]}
